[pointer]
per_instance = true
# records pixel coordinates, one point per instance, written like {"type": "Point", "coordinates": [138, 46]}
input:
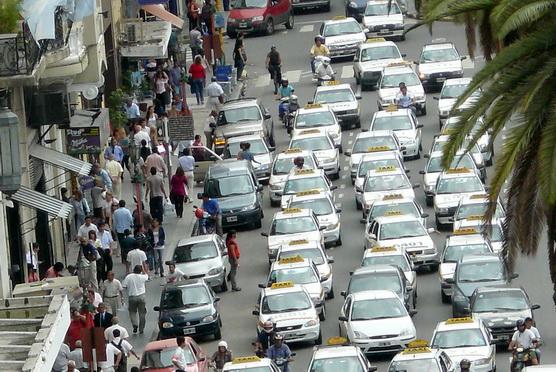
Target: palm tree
{"type": "Point", "coordinates": [518, 101]}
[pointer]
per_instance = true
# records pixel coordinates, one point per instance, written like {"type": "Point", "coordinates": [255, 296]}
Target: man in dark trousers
{"type": "Point", "coordinates": [103, 318]}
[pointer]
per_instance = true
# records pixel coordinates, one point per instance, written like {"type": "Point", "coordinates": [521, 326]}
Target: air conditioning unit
{"type": "Point", "coordinates": [131, 33]}
{"type": "Point", "coordinates": [49, 108]}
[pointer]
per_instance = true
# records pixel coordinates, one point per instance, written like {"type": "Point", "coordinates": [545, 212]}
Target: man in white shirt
{"type": "Point", "coordinates": [33, 256]}
{"type": "Point", "coordinates": [86, 227]}
{"type": "Point", "coordinates": [126, 349]}
{"type": "Point", "coordinates": [77, 355]}
{"type": "Point", "coordinates": [135, 285]}
{"type": "Point", "coordinates": [113, 359]}
{"type": "Point", "coordinates": [524, 338]}
{"type": "Point", "coordinates": [178, 359]}
{"type": "Point", "coordinates": [109, 332]}
{"type": "Point", "coordinates": [132, 110]}
{"type": "Point", "coordinates": [139, 135]}
{"type": "Point", "coordinates": [529, 325]}
{"type": "Point", "coordinates": [115, 171]}
{"type": "Point", "coordinates": [215, 95]}
{"type": "Point", "coordinates": [174, 275]}
{"type": "Point", "coordinates": [137, 257]}
{"type": "Point", "coordinates": [210, 126]}
{"type": "Point", "coordinates": [187, 163]}
{"type": "Point", "coordinates": [105, 237]}
{"type": "Point", "coordinates": [61, 361]}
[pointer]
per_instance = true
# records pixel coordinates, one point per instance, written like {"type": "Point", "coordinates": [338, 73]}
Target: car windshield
{"type": "Point", "coordinates": [294, 225]}
{"type": "Point", "coordinates": [284, 166]}
{"type": "Point", "coordinates": [375, 281]}
{"type": "Point", "coordinates": [472, 337]}
{"type": "Point", "coordinates": [380, 308]}
{"type": "Point", "coordinates": [341, 28]}
{"type": "Point", "coordinates": [476, 209]}
{"type": "Point", "coordinates": [394, 208]}
{"type": "Point", "coordinates": [190, 296]}
{"type": "Point", "coordinates": [163, 358]}
{"type": "Point", "coordinates": [314, 119]}
{"type": "Point", "coordinates": [377, 53]}
{"type": "Point", "coordinates": [462, 161]}
{"type": "Point", "coordinates": [238, 115]}
{"type": "Point", "coordinates": [456, 90]}
{"type": "Point", "coordinates": [374, 9]}
{"type": "Point", "coordinates": [230, 186]}
{"type": "Point", "coordinates": [393, 80]}
{"type": "Point", "coordinates": [386, 183]}
{"type": "Point", "coordinates": [257, 147]}
{"type": "Point", "coordinates": [312, 143]}
{"type": "Point", "coordinates": [500, 301]}
{"type": "Point", "coordinates": [285, 302]}
{"type": "Point", "coordinates": [195, 252]}
{"type": "Point", "coordinates": [335, 364]}
{"type": "Point", "coordinates": [414, 365]}
{"type": "Point", "coordinates": [453, 253]}
{"type": "Point", "coordinates": [298, 275]}
{"type": "Point", "coordinates": [363, 144]}
{"type": "Point", "coordinates": [394, 260]}
{"type": "Point", "coordinates": [314, 254]}
{"type": "Point", "coordinates": [494, 232]}
{"type": "Point", "coordinates": [402, 229]}
{"type": "Point", "coordinates": [481, 271]}
{"type": "Point", "coordinates": [242, 4]}
{"type": "Point", "coordinates": [320, 206]}
{"type": "Point", "coordinates": [439, 55]}
{"type": "Point", "coordinates": [305, 184]}
{"type": "Point", "coordinates": [333, 96]}
{"type": "Point", "coordinates": [459, 185]}
{"type": "Point", "coordinates": [399, 122]}
{"type": "Point", "coordinates": [368, 165]}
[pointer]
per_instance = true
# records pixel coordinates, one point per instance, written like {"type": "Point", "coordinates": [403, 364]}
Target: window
{"type": "Point", "coordinates": [230, 186]}
{"type": "Point", "coordinates": [257, 147]}
{"type": "Point", "coordinates": [393, 80]}
{"type": "Point", "coordinates": [185, 297]}
{"type": "Point", "coordinates": [341, 28]}
{"type": "Point", "coordinates": [403, 208]}
{"type": "Point", "coordinates": [334, 96]}
{"type": "Point", "coordinates": [480, 272]}
{"type": "Point", "coordinates": [439, 55]}
{"type": "Point", "coordinates": [454, 252]}
{"type": "Point", "coordinates": [368, 165]}
{"type": "Point", "coordinates": [375, 281]}
{"type": "Point", "coordinates": [362, 144]}
{"type": "Point", "coordinates": [321, 206]}
{"type": "Point", "coordinates": [386, 183]}
{"type": "Point", "coordinates": [472, 337]}
{"type": "Point", "coordinates": [394, 260]}
{"type": "Point", "coordinates": [163, 358]}
{"type": "Point", "coordinates": [377, 53]}
{"type": "Point", "coordinates": [400, 230]}
{"type": "Point", "coordinates": [312, 143]}
{"type": "Point", "coordinates": [344, 364]}
{"type": "Point", "coordinates": [315, 254]}
{"type": "Point", "coordinates": [381, 308]}
{"type": "Point", "coordinates": [459, 185]}
{"type": "Point", "coordinates": [284, 166]}
{"type": "Point", "coordinates": [462, 161]}
{"type": "Point", "coordinates": [503, 301]}
{"type": "Point", "coordinates": [314, 120]}
{"type": "Point", "coordinates": [285, 302]}
{"type": "Point", "coordinates": [284, 226]}
{"type": "Point", "coordinates": [381, 9]}
{"type": "Point", "coordinates": [393, 123]}
{"type": "Point", "coordinates": [195, 252]}
{"type": "Point", "coordinates": [243, 114]}
{"type": "Point", "coordinates": [304, 184]}
{"type": "Point", "coordinates": [456, 90]}
{"type": "Point", "coordinates": [298, 275]}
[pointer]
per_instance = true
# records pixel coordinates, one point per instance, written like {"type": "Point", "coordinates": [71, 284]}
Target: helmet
{"type": "Point", "coordinates": [223, 344]}
{"type": "Point", "coordinates": [272, 47]}
{"type": "Point", "coordinates": [519, 323]}
{"type": "Point", "coordinates": [319, 37]}
{"type": "Point", "coordinates": [465, 363]}
{"type": "Point", "coordinates": [278, 338]}
{"type": "Point", "coordinates": [268, 326]}
{"type": "Point", "coordinates": [285, 81]}
{"type": "Point", "coordinates": [199, 213]}
{"type": "Point", "coordinates": [293, 98]}
{"type": "Point", "coordinates": [326, 61]}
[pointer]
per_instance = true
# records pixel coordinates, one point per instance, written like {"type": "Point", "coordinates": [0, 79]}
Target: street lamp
{"type": "Point", "coordinates": [10, 166]}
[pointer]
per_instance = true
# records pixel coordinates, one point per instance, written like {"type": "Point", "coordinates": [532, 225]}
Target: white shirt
{"type": "Point", "coordinates": [32, 256]}
{"type": "Point", "coordinates": [97, 300]}
{"type": "Point", "coordinates": [135, 284]}
{"type": "Point", "coordinates": [524, 339]}
{"type": "Point", "coordinates": [105, 239]}
{"type": "Point", "coordinates": [214, 89]}
{"type": "Point", "coordinates": [187, 162]}
{"type": "Point", "coordinates": [84, 230]}
{"type": "Point", "coordinates": [141, 135]}
{"type": "Point", "coordinates": [535, 332]}
{"type": "Point", "coordinates": [136, 257]}
{"type": "Point", "coordinates": [111, 353]}
{"type": "Point", "coordinates": [177, 275]}
{"type": "Point", "coordinates": [109, 332]}
{"type": "Point", "coordinates": [132, 111]}
{"type": "Point", "coordinates": [179, 358]}
{"type": "Point", "coordinates": [126, 346]}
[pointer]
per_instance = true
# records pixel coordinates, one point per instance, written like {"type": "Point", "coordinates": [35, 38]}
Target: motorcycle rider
{"type": "Point", "coordinates": [221, 356]}
{"type": "Point", "coordinates": [299, 163]}
{"type": "Point", "coordinates": [265, 339]}
{"type": "Point", "coordinates": [526, 339]}
{"type": "Point", "coordinates": [318, 49]}
{"type": "Point", "coordinates": [324, 70]}
{"type": "Point", "coordinates": [465, 365]}
{"type": "Point", "coordinates": [529, 323]}
{"type": "Point", "coordinates": [273, 65]}
{"type": "Point", "coordinates": [286, 91]}
{"type": "Point", "coordinates": [212, 207]}
{"type": "Point", "coordinates": [280, 353]}
{"type": "Point", "coordinates": [405, 99]}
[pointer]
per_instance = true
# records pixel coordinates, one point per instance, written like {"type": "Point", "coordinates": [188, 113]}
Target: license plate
{"type": "Point", "coordinates": [188, 331]}
{"type": "Point", "coordinates": [503, 337]}
{"type": "Point", "coordinates": [383, 344]}
{"type": "Point", "coordinates": [385, 32]}
{"type": "Point", "coordinates": [440, 80]}
{"type": "Point", "coordinates": [243, 25]}
{"type": "Point", "coordinates": [231, 219]}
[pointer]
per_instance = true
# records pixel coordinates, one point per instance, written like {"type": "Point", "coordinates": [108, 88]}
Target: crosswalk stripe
{"type": "Point", "coordinates": [347, 71]}
{"type": "Point", "coordinates": [293, 76]}
{"type": "Point", "coordinates": [262, 81]}
{"type": "Point", "coordinates": [307, 28]}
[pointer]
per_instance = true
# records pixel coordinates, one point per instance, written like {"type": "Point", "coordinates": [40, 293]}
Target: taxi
{"type": "Point", "coordinates": [314, 251]}
{"type": "Point", "coordinates": [342, 36]}
{"type": "Point", "coordinates": [341, 99]}
{"type": "Point", "coordinates": [250, 363]}
{"type": "Point", "coordinates": [395, 205]}
{"type": "Point", "coordinates": [439, 61]}
{"type": "Point", "coordinates": [452, 185]}
{"type": "Point", "coordinates": [451, 90]}
{"type": "Point", "coordinates": [384, 181]}
{"type": "Point", "coordinates": [463, 242]}
{"type": "Point", "coordinates": [291, 224]}
{"type": "Point", "coordinates": [483, 142]}
{"type": "Point", "coordinates": [323, 147]}
{"type": "Point", "coordinates": [466, 338]}
{"type": "Point", "coordinates": [384, 19]}
{"type": "Point", "coordinates": [440, 141]}
{"type": "Point", "coordinates": [475, 206]}
{"type": "Point", "coordinates": [321, 117]}
{"type": "Point", "coordinates": [388, 87]}
{"type": "Point", "coordinates": [406, 232]}
{"type": "Point", "coordinates": [339, 355]}
{"type": "Point", "coordinates": [395, 256]}
{"type": "Point", "coordinates": [291, 310]}
{"type": "Point", "coordinates": [327, 213]}
{"type": "Point", "coordinates": [305, 180]}
{"type": "Point", "coordinates": [405, 126]}
{"type": "Point", "coordinates": [419, 357]}
{"type": "Point", "coordinates": [376, 321]}
{"type": "Point", "coordinates": [491, 229]}
{"type": "Point", "coordinates": [371, 57]}
{"type": "Point", "coordinates": [301, 271]}
{"type": "Point", "coordinates": [281, 168]}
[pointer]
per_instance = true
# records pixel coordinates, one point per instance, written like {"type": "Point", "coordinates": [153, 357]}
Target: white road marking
{"type": "Point", "coordinates": [344, 177]}
{"type": "Point", "coordinates": [351, 134]}
{"type": "Point", "coordinates": [340, 196]}
{"type": "Point", "coordinates": [284, 32]}
{"type": "Point", "coordinates": [306, 73]}
{"type": "Point", "coordinates": [262, 81]}
{"type": "Point", "coordinates": [307, 28]}
{"type": "Point", "coordinates": [342, 186]}
{"type": "Point", "coordinates": [346, 168]}
{"type": "Point", "coordinates": [293, 76]}
{"type": "Point", "coordinates": [350, 142]}
{"type": "Point", "coordinates": [347, 71]}
{"type": "Point", "coordinates": [468, 63]}
{"type": "Point", "coordinates": [307, 22]}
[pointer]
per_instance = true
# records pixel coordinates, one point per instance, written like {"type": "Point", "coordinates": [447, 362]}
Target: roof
{"type": "Point", "coordinates": [237, 363]}
{"type": "Point", "coordinates": [36, 200]}
{"type": "Point", "coordinates": [269, 291]}
{"type": "Point", "coordinates": [303, 262]}
{"type": "Point", "coordinates": [480, 258]}
{"type": "Point", "coordinates": [395, 70]}
{"type": "Point", "coordinates": [184, 283]}
{"type": "Point", "coordinates": [438, 46]}
{"type": "Point", "coordinates": [390, 154]}
{"type": "Point", "coordinates": [229, 168]}
{"type": "Point", "coordinates": [458, 172]}
{"type": "Point", "coordinates": [383, 251]}
{"type": "Point", "coordinates": [319, 194]}
{"type": "Point", "coordinates": [324, 88]}
{"type": "Point", "coordinates": [249, 137]}
{"type": "Point", "coordinates": [293, 153]}
{"type": "Point", "coordinates": [322, 108]}
{"type": "Point", "coordinates": [309, 172]}
{"type": "Point", "coordinates": [292, 213]}
{"type": "Point", "coordinates": [458, 323]}
{"type": "Point", "coordinates": [396, 112]}
{"type": "Point", "coordinates": [475, 199]}
{"type": "Point", "coordinates": [196, 239]}
{"type": "Point", "coordinates": [164, 344]}
{"type": "Point", "coordinates": [392, 200]}
{"type": "Point", "coordinates": [457, 81]}
{"type": "Point", "coordinates": [391, 219]}
{"type": "Point", "coordinates": [381, 171]}
{"type": "Point", "coordinates": [500, 288]}
{"type": "Point", "coordinates": [377, 44]}
{"type": "Point", "coordinates": [340, 20]}
{"type": "Point", "coordinates": [373, 295]}
{"type": "Point", "coordinates": [336, 351]}
{"type": "Point", "coordinates": [374, 133]}
{"type": "Point", "coordinates": [453, 240]}
{"type": "Point", "coordinates": [295, 245]}
{"type": "Point", "coordinates": [309, 133]}
{"type": "Point", "coordinates": [243, 102]}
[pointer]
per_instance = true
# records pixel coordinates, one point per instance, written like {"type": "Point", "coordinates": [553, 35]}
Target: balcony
{"type": "Point", "coordinates": [19, 53]}
{"type": "Point", "coordinates": [144, 39]}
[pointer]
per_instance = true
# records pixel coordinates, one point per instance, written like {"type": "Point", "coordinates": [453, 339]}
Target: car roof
{"type": "Point", "coordinates": [310, 195]}
{"type": "Point", "coordinates": [299, 244]}
{"type": "Point", "coordinates": [165, 344]}
{"type": "Point", "coordinates": [304, 173]}
{"type": "Point", "coordinates": [292, 213]}
{"type": "Point", "coordinates": [365, 270]}
{"type": "Point", "coordinates": [398, 69]}
{"type": "Point", "coordinates": [324, 88]}
{"type": "Point", "coordinates": [185, 283]}
{"type": "Point", "coordinates": [501, 288]}
{"type": "Point", "coordinates": [454, 240]}
{"type": "Point", "coordinates": [458, 323]}
{"type": "Point", "coordinates": [457, 81]}
{"type": "Point", "coordinates": [237, 364]}
{"type": "Point", "coordinates": [243, 102]}
{"type": "Point", "coordinates": [438, 46]}
{"type": "Point", "coordinates": [249, 137]}
{"type": "Point", "coordinates": [396, 112]}
{"type": "Point", "coordinates": [480, 198]}
{"type": "Point", "coordinates": [269, 291]}
{"type": "Point", "coordinates": [375, 133]}
{"type": "Point", "coordinates": [460, 172]}
{"type": "Point", "coordinates": [293, 153]}
{"type": "Point", "coordinates": [196, 239]}
{"type": "Point", "coordinates": [324, 108]}
{"type": "Point", "coordinates": [373, 295]}
{"type": "Point", "coordinates": [229, 168]}
{"type": "Point", "coordinates": [386, 251]}
{"type": "Point", "coordinates": [381, 172]}
{"type": "Point", "coordinates": [485, 257]}
{"type": "Point", "coordinates": [336, 351]}
{"type": "Point", "coordinates": [387, 200]}
{"type": "Point", "coordinates": [380, 155]}
{"type": "Point", "coordinates": [277, 265]}
{"type": "Point", "coordinates": [392, 219]}
{"type": "Point", "coordinates": [377, 44]}
{"type": "Point", "coordinates": [310, 133]}
{"type": "Point", "coordinates": [340, 19]}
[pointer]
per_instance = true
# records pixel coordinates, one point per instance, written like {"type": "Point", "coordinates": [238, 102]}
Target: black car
{"type": "Point", "coordinates": [356, 9]}
{"type": "Point", "coordinates": [472, 272]}
{"type": "Point", "coordinates": [188, 308]}
{"type": "Point", "coordinates": [234, 184]}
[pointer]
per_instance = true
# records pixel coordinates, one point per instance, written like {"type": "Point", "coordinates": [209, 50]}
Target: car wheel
{"type": "Point", "coordinates": [341, 149]}
{"type": "Point", "coordinates": [414, 301]}
{"type": "Point", "coordinates": [318, 341]}
{"type": "Point", "coordinates": [218, 334]}
{"type": "Point", "coordinates": [258, 224]}
{"type": "Point", "coordinates": [224, 285]}
{"type": "Point", "coordinates": [339, 241]}
{"type": "Point", "coordinates": [445, 298]}
{"type": "Point", "coordinates": [271, 141]}
{"type": "Point", "coordinates": [331, 293]}
{"type": "Point", "coordinates": [322, 315]}
{"type": "Point", "coordinates": [424, 110]}
{"type": "Point", "coordinates": [358, 123]}
{"type": "Point", "coordinates": [434, 267]}
{"type": "Point", "coordinates": [269, 26]}
{"type": "Point", "coordinates": [289, 24]}
{"type": "Point", "coordinates": [418, 156]}
{"type": "Point", "coordinates": [439, 225]}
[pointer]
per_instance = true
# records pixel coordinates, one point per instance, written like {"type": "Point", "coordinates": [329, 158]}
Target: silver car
{"type": "Point", "coordinates": [262, 153]}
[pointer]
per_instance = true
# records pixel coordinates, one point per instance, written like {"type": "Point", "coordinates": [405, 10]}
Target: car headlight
{"type": "Point", "coordinates": [216, 271]}
{"type": "Point", "coordinates": [442, 210]}
{"type": "Point", "coordinates": [231, 20]}
{"type": "Point", "coordinates": [328, 160]}
{"type": "Point", "coordinates": [220, 141]}
{"type": "Point", "coordinates": [208, 319]}
{"type": "Point", "coordinates": [399, 26]}
{"type": "Point", "coordinates": [311, 323]}
{"type": "Point", "coordinates": [406, 332]}
{"type": "Point", "coordinates": [276, 187]}
{"type": "Point", "coordinates": [315, 299]}
{"type": "Point", "coordinates": [333, 226]}
{"type": "Point", "coordinates": [352, 4]}
{"type": "Point", "coordinates": [248, 208]}
{"type": "Point", "coordinates": [358, 334]}
{"type": "Point", "coordinates": [444, 113]}
{"type": "Point", "coordinates": [482, 361]}
{"type": "Point", "coordinates": [263, 167]}
{"type": "Point", "coordinates": [167, 325]}
{"type": "Point", "coordinates": [423, 76]}
{"type": "Point", "coordinates": [257, 18]}
{"type": "Point", "coordinates": [407, 141]}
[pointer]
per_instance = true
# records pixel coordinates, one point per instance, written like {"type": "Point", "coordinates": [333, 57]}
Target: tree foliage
{"type": "Point", "coordinates": [9, 15]}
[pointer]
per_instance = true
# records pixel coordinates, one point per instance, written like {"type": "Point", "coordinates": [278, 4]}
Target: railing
{"type": "Point", "coordinates": [19, 53]}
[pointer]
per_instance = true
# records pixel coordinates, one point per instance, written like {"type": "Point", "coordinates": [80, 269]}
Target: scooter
{"type": "Point", "coordinates": [321, 80]}
{"type": "Point", "coordinates": [287, 108]}
{"type": "Point", "coordinates": [204, 225]}
{"type": "Point", "coordinates": [520, 359]}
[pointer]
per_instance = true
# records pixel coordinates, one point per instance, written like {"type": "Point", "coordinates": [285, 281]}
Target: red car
{"type": "Point", "coordinates": [258, 16]}
{"type": "Point", "coordinates": [157, 356]}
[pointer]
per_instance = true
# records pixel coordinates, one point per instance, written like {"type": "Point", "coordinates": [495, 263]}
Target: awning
{"type": "Point", "coordinates": [36, 200]}
{"type": "Point", "coordinates": [163, 14]}
{"type": "Point", "coordinates": [61, 160]}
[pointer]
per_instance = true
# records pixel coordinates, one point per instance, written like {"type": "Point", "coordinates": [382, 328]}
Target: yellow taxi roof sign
{"type": "Point", "coordinates": [393, 213]}
{"type": "Point", "coordinates": [462, 320]}
{"type": "Point", "coordinates": [336, 340]}
{"type": "Point", "coordinates": [377, 148]}
{"type": "Point", "coordinates": [417, 350]}
{"type": "Point", "coordinates": [246, 359]}
{"type": "Point", "coordinates": [392, 197]}
{"type": "Point", "coordinates": [392, 108]}
{"type": "Point", "coordinates": [292, 259]}
{"type": "Point", "coordinates": [308, 192]}
{"type": "Point", "coordinates": [465, 231]}
{"type": "Point", "coordinates": [383, 249]}
{"type": "Point", "coordinates": [398, 64]}
{"type": "Point", "coordinates": [375, 39]}
{"type": "Point", "coordinates": [310, 131]}
{"type": "Point", "coordinates": [312, 105]}
{"type": "Point", "coordinates": [475, 217]}
{"type": "Point", "coordinates": [299, 172]}
{"type": "Point", "coordinates": [279, 285]}
{"type": "Point", "coordinates": [479, 196]}
{"type": "Point", "coordinates": [386, 168]}
{"type": "Point", "coordinates": [298, 242]}
{"type": "Point", "coordinates": [331, 82]}
{"type": "Point", "coordinates": [337, 18]}
{"type": "Point", "coordinates": [458, 170]}
{"type": "Point", "coordinates": [292, 210]}
{"type": "Point", "coordinates": [418, 343]}
{"type": "Point", "coordinates": [292, 151]}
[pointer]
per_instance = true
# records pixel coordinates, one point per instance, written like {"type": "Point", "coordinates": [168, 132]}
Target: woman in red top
{"type": "Point", "coordinates": [73, 333]}
{"type": "Point", "coordinates": [198, 76]}
{"type": "Point", "coordinates": [233, 257]}
{"type": "Point", "coordinates": [178, 193]}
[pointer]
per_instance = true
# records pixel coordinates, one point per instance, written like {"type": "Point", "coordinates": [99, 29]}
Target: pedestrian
{"type": "Point", "coordinates": [137, 257]}
{"type": "Point", "coordinates": [198, 77]}
{"type": "Point", "coordinates": [233, 256]}
{"type": "Point", "coordinates": [139, 135]}
{"type": "Point", "coordinates": [162, 88]}
{"type": "Point", "coordinates": [240, 57]}
{"type": "Point", "coordinates": [157, 237]}
{"type": "Point", "coordinates": [76, 355]}
{"type": "Point", "coordinates": [103, 318]}
{"type": "Point", "coordinates": [247, 154]}
{"type": "Point", "coordinates": [80, 209]}
{"type": "Point", "coordinates": [131, 109]}
{"type": "Point", "coordinates": [156, 194]}
{"type": "Point", "coordinates": [273, 65]}
{"type": "Point", "coordinates": [239, 155]}
{"type": "Point", "coordinates": [109, 332]}
{"type": "Point", "coordinates": [113, 359]}
{"type": "Point", "coordinates": [112, 292]}
{"type": "Point", "coordinates": [215, 95]}
{"type": "Point", "coordinates": [176, 73]}
{"type": "Point", "coordinates": [116, 172]}
{"type": "Point", "coordinates": [122, 221]}
{"type": "Point", "coordinates": [212, 207]}
{"type": "Point", "coordinates": [32, 256]}
{"type": "Point", "coordinates": [135, 286]}
{"type": "Point", "coordinates": [147, 218]}
{"type": "Point", "coordinates": [187, 163]}
{"type": "Point", "coordinates": [62, 359]}
{"type": "Point", "coordinates": [179, 359]}
{"type": "Point", "coordinates": [126, 245]}
{"type": "Point", "coordinates": [87, 268]}
{"type": "Point", "coordinates": [77, 323]}
{"type": "Point", "coordinates": [106, 180]}
{"type": "Point", "coordinates": [151, 117]}
{"type": "Point", "coordinates": [98, 201]}
{"type": "Point", "coordinates": [124, 142]}
{"type": "Point", "coordinates": [32, 275]}
{"type": "Point", "coordinates": [93, 298]}
{"type": "Point", "coordinates": [193, 13]}
{"type": "Point", "coordinates": [174, 274]}
{"type": "Point", "coordinates": [87, 226]}
{"type": "Point", "coordinates": [157, 161]}
{"type": "Point", "coordinates": [221, 356]}
{"type": "Point", "coordinates": [106, 241]}
{"type": "Point", "coordinates": [196, 41]}
{"type": "Point", "coordinates": [114, 149]}
{"type": "Point", "coordinates": [207, 12]}
{"type": "Point", "coordinates": [99, 255]}
{"type": "Point", "coordinates": [125, 347]}
{"type": "Point", "coordinates": [55, 271]}
{"type": "Point", "coordinates": [210, 126]}
{"type": "Point", "coordinates": [198, 150]}
{"type": "Point", "coordinates": [178, 190]}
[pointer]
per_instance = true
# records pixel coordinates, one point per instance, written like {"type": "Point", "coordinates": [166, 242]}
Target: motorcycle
{"type": "Point", "coordinates": [282, 363]}
{"type": "Point", "coordinates": [321, 78]}
{"type": "Point", "coordinates": [204, 225]}
{"type": "Point", "coordinates": [287, 108]}
{"type": "Point", "coordinates": [520, 359]}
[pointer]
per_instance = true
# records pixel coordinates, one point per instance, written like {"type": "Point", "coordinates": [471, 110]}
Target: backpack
{"type": "Point", "coordinates": [123, 361]}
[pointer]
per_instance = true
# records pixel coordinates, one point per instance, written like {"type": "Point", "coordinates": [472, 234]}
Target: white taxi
{"type": "Point", "coordinates": [405, 126]}
{"type": "Point", "coordinates": [338, 355]}
{"type": "Point", "coordinates": [250, 364]}
{"type": "Point", "coordinates": [388, 87]}
{"type": "Point", "coordinates": [376, 321]}
{"type": "Point", "coordinates": [303, 272]}
{"type": "Point", "coordinates": [466, 338]}
{"type": "Point", "coordinates": [452, 185]}
{"type": "Point", "coordinates": [395, 256]}
{"type": "Point", "coordinates": [418, 357]}
{"type": "Point", "coordinates": [483, 142]}
{"type": "Point", "coordinates": [491, 229]}
{"type": "Point", "coordinates": [291, 224]}
{"type": "Point", "coordinates": [327, 213]}
{"type": "Point", "coordinates": [384, 181]}
{"type": "Point", "coordinates": [384, 19]}
{"type": "Point", "coordinates": [322, 146]}
{"type": "Point", "coordinates": [314, 251]}
{"type": "Point", "coordinates": [305, 180]}
{"type": "Point", "coordinates": [440, 142]}
{"type": "Point", "coordinates": [371, 58]}
{"type": "Point", "coordinates": [451, 90]}
{"type": "Point", "coordinates": [395, 205]}
{"type": "Point", "coordinates": [341, 99]}
{"type": "Point", "coordinates": [406, 232]}
{"type": "Point", "coordinates": [463, 242]}
{"type": "Point", "coordinates": [439, 61]}
{"type": "Point", "coordinates": [342, 36]}
{"type": "Point", "coordinates": [321, 117]}
{"type": "Point", "coordinates": [290, 308]}
{"type": "Point", "coordinates": [475, 206]}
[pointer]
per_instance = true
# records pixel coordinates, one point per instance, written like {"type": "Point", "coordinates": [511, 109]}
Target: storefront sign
{"type": "Point", "coordinates": [180, 128]}
{"type": "Point", "coordinates": [83, 140]}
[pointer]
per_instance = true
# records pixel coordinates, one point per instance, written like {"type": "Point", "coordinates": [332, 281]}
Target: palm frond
{"type": "Point", "coordinates": [526, 16]}
{"type": "Point", "coordinates": [470, 34]}
{"type": "Point", "coordinates": [488, 44]}
{"type": "Point", "coordinates": [547, 155]}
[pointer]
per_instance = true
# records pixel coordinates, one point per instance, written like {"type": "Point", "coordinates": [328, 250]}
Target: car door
{"type": "Point", "coordinates": [202, 362]}
{"type": "Point", "coordinates": [357, 63]}
{"type": "Point", "coordinates": [202, 166]}
{"type": "Point", "coordinates": [223, 251]}
{"type": "Point", "coordinates": [345, 311]}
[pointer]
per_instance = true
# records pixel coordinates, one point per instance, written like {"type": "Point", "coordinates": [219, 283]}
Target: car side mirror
{"type": "Point", "coordinates": [255, 312]}
{"type": "Point", "coordinates": [372, 369]}
{"type": "Point", "coordinates": [216, 299]}
{"type": "Point", "coordinates": [415, 62]}
{"type": "Point", "coordinates": [265, 234]}
{"type": "Point", "coordinates": [419, 126]}
{"type": "Point", "coordinates": [156, 308]}
{"type": "Point", "coordinates": [463, 57]}
{"type": "Point", "coordinates": [422, 172]}
{"type": "Point", "coordinates": [279, 193]}
{"type": "Point", "coordinates": [535, 307]}
{"type": "Point", "coordinates": [333, 187]}
{"type": "Point", "coordinates": [337, 146]}
{"type": "Point", "coordinates": [407, 170]}
{"type": "Point", "coordinates": [355, 59]}
{"type": "Point", "coordinates": [358, 96]}
{"type": "Point", "coordinates": [416, 186]}
{"type": "Point", "coordinates": [450, 280]}
{"type": "Point", "coordinates": [331, 260]}
{"type": "Point", "coordinates": [338, 210]}
{"type": "Point", "coordinates": [436, 98]}
{"type": "Point", "coordinates": [267, 116]}
{"type": "Point", "coordinates": [322, 228]}
{"type": "Point", "coordinates": [261, 285]}
{"type": "Point", "coordinates": [343, 293]}
{"type": "Point", "coordinates": [426, 156]}
{"type": "Point", "coordinates": [404, 55]}
{"type": "Point", "coordinates": [347, 153]}
{"type": "Point", "coordinates": [362, 220]}
{"type": "Point", "coordinates": [343, 318]}
{"type": "Point", "coordinates": [271, 148]}
{"type": "Point", "coordinates": [366, 30]}
{"type": "Point", "coordinates": [402, 148]}
{"type": "Point", "coordinates": [413, 312]}
{"type": "Point", "coordinates": [424, 215]}
{"type": "Point", "coordinates": [514, 276]}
